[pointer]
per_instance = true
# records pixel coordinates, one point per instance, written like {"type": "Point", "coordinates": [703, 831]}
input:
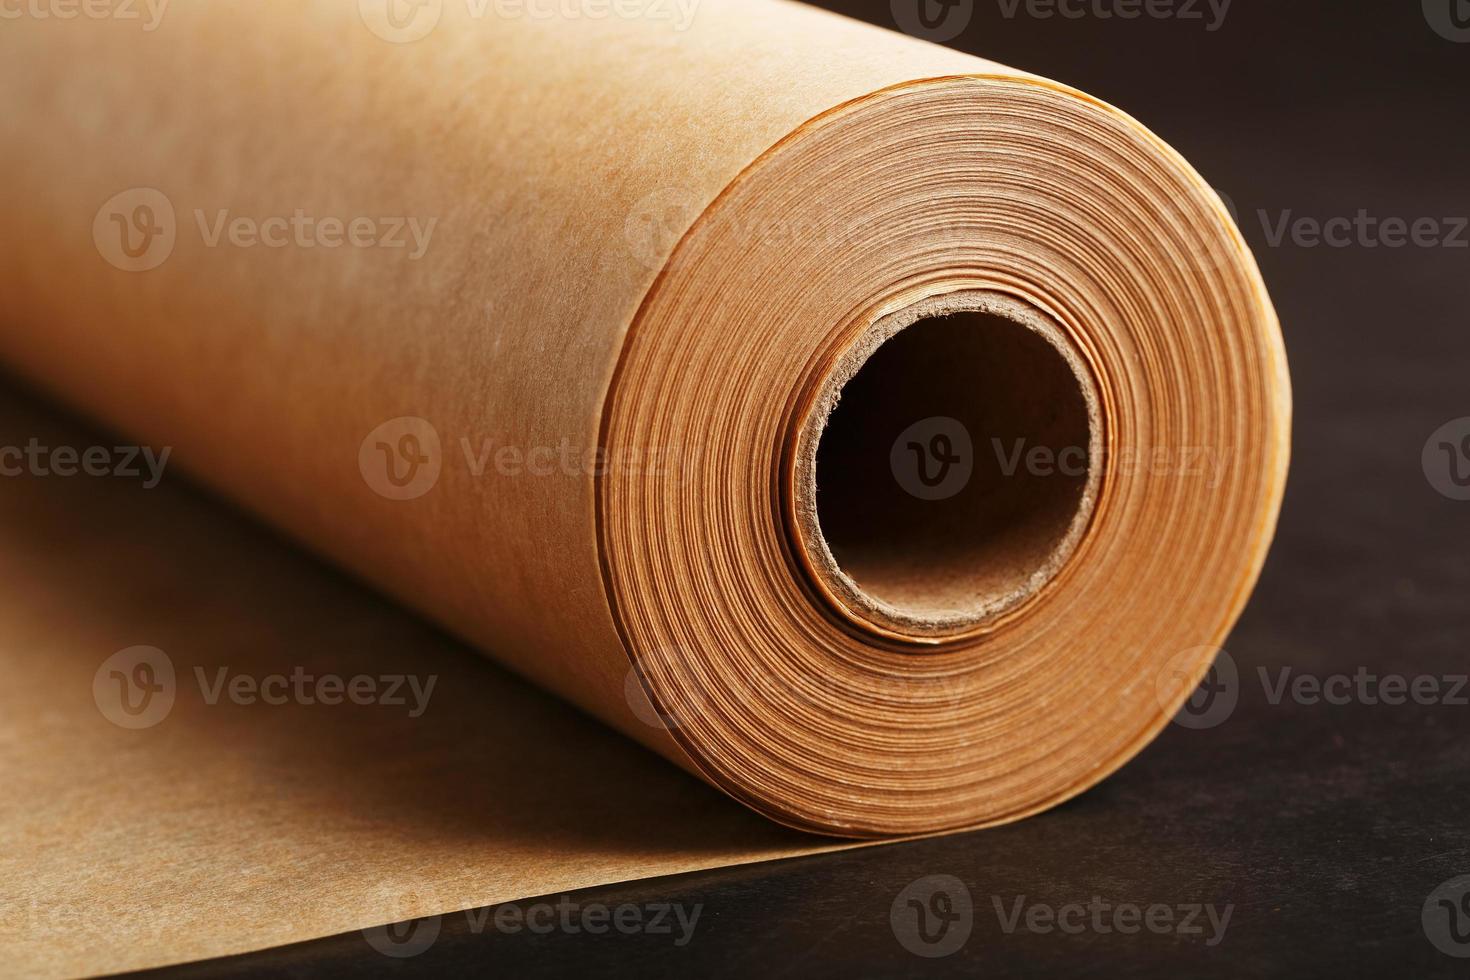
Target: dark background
{"type": "Point", "coordinates": [1326, 827]}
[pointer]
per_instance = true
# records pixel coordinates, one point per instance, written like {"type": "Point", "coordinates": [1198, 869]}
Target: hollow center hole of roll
{"type": "Point", "coordinates": [952, 474]}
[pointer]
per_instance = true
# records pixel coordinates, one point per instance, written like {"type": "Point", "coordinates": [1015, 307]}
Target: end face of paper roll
{"type": "Point", "coordinates": [845, 638]}
{"type": "Point", "coordinates": [947, 468]}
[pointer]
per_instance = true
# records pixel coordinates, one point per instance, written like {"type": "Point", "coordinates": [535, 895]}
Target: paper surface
{"type": "Point", "coordinates": [226, 827]}
{"type": "Point", "coordinates": [555, 331]}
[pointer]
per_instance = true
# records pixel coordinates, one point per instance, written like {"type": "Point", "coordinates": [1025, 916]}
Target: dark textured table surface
{"type": "Point", "coordinates": [1323, 830]}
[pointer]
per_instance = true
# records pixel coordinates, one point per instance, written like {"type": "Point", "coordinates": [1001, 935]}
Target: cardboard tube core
{"type": "Point", "coordinates": [949, 466]}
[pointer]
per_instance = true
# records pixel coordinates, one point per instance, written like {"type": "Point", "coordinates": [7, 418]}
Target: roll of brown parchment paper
{"type": "Point", "coordinates": [885, 435]}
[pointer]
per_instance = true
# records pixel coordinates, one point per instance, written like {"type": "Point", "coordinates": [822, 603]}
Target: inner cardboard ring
{"type": "Point", "coordinates": [949, 466]}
